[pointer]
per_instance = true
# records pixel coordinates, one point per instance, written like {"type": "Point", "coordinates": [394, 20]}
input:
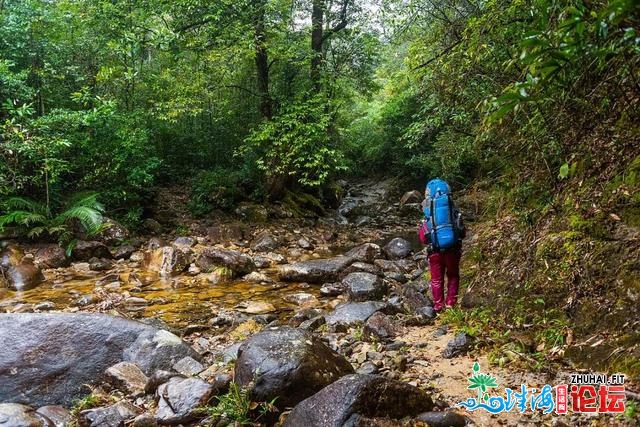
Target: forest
{"type": "Point", "coordinates": [530, 109]}
{"type": "Point", "coordinates": [105, 101]}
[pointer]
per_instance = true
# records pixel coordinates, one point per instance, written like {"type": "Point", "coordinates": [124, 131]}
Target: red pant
{"type": "Point", "coordinates": [439, 263]}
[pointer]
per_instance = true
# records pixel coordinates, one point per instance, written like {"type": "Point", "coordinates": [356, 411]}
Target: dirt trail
{"type": "Point", "coordinates": [447, 379]}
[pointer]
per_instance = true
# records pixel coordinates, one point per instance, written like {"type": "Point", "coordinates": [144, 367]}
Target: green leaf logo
{"type": "Point", "coordinates": [481, 382]}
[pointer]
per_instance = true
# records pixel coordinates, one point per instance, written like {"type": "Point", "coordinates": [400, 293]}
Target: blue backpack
{"type": "Point", "coordinates": [444, 222]}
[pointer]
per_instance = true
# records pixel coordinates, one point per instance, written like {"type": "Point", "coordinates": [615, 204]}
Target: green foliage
{"type": "Point", "coordinates": [34, 219]}
{"type": "Point", "coordinates": [215, 189]}
{"type": "Point", "coordinates": [297, 144]}
{"type": "Point", "coordinates": [473, 322]}
{"type": "Point", "coordinates": [564, 38]}
{"type": "Point", "coordinates": [631, 409]}
{"type": "Point", "coordinates": [93, 400]}
{"type": "Point", "coordinates": [236, 406]}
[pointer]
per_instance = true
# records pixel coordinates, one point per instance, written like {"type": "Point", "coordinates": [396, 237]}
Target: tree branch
{"type": "Point", "coordinates": [440, 55]}
{"type": "Point", "coordinates": [244, 89]}
{"type": "Point", "coordinates": [341, 25]}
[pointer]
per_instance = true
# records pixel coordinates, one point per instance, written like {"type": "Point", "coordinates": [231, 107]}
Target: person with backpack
{"type": "Point", "coordinates": [442, 232]}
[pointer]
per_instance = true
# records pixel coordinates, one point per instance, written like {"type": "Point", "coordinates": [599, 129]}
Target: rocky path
{"type": "Point", "coordinates": [327, 321]}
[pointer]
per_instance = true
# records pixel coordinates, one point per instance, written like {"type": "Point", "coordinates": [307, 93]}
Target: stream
{"type": "Point", "coordinates": [191, 298]}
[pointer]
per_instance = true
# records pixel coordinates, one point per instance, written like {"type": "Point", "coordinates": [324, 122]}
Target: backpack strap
{"type": "Point", "coordinates": [452, 217]}
{"type": "Point", "coordinates": [434, 235]}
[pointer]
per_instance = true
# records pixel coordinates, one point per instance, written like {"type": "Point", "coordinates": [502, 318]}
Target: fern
{"type": "Point", "coordinates": [21, 203]}
{"type": "Point", "coordinates": [31, 216]}
{"type": "Point", "coordinates": [21, 218]}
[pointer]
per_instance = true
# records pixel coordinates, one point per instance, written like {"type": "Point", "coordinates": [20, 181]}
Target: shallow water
{"type": "Point", "coordinates": [178, 301]}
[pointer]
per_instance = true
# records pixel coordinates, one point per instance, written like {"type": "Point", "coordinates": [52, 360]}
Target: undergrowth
{"type": "Point", "coordinates": [237, 407]}
{"type": "Point", "coordinates": [548, 270]}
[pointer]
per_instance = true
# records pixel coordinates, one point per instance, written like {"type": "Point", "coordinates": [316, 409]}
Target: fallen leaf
{"type": "Point", "coordinates": [569, 337]}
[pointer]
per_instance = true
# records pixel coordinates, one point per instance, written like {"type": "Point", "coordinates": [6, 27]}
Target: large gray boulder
{"type": "Point", "coordinates": [364, 286]}
{"type": "Point", "coordinates": [49, 358]}
{"type": "Point", "coordinates": [237, 262]}
{"type": "Point", "coordinates": [289, 364]}
{"type": "Point", "coordinates": [315, 271]}
{"type": "Point", "coordinates": [366, 252]}
{"type": "Point", "coordinates": [353, 313]}
{"type": "Point", "coordinates": [180, 398]}
{"type": "Point", "coordinates": [355, 396]}
{"type": "Point", "coordinates": [397, 248]}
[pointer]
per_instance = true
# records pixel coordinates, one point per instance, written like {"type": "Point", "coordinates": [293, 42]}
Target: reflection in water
{"type": "Point", "coordinates": [178, 301]}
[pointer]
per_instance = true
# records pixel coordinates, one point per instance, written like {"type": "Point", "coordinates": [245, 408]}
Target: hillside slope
{"type": "Point", "coordinates": [558, 266]}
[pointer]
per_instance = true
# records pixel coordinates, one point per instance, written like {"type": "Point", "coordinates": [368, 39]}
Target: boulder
{"type": "Point", "coordinates": [112, 232]}
{"type": "Point", "coordinates": [252, 213]}
{"type": "Point", "coordinates": [364, 286]}
{"type": "Point", "coordinates": [179, 399]}
{"type": "Point", "coordinates": [188, 367]}
{"type": "Point", "coordinates": [110, 416]}
{"type": "Point", "coordinates": [358, 395]}
{"type": "Point", "coordinates": [364, 267]}
{"type": "Point", "coordinates": [22, 276]}
{"type": "Point", "coordinates": [59, 416]}
{"type": "Point", "coordinates": [458, 346]}
{"type": "Point", "coordinates": [49, 358]}
{"type": "Point", "coordinates": [257, 277]}
{"type": "Point", "coordinates": [144, 420]}
{"type": "Point", "coordinates": [51, 256]}
{"type": "Point", "coordinates": [127, 377]}
{"type": "Point", "coordinates": [239, 263]}
{"type": "Point", "coordinates": [16, 415]}
{"type": "Point", "coordinates": [379, 327]}
{"type": "Point", "coordinates": [157, 349]}
{"type": "Point", "coordinates": [305, 244]}
{"type": "Point", "coordinates": [168, 260]}
{"type": "Point", "coordinates": [303, 299]}
{"type": "Point", "coordinates": [264, 242]}
{"type": "Point", "coordinates": [397, 248]}
{"type": "Point", "coordinates": [255, 307]}
{"type": "Point", "coordinates": [84, 251]}
{"type": "Point", "coordinates": [366, 252]}
{"type": "Point", "coordinates": [413, 298]}
{"type": "Point", "coordinates": [314, 271]}
{"type": "Point", "coordinates": [289, 364]}
{"type": "Point", "coordinates": [352, 313]}
{"type": "Point", "coordinates": [124, 252]}
{"type": "Point", "coordinates": [387, 266]}
{"type": "Point", "coordinates": [184, 242]}
{"type": "Point", "coordinates": [443, 419]}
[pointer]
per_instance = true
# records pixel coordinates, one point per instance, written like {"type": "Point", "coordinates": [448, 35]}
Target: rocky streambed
{"type": "Point", "coordinates": [298, 323]}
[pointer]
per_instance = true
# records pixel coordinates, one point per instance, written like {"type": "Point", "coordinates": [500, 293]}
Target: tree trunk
{"type": "Point", "coordinates": [317, 18]}
{"type": "Point", "coordinates": [262, 62]}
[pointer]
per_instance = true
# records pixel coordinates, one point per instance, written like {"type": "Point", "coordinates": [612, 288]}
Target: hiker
{"type": "Point", "coordinates": [442, 232]}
